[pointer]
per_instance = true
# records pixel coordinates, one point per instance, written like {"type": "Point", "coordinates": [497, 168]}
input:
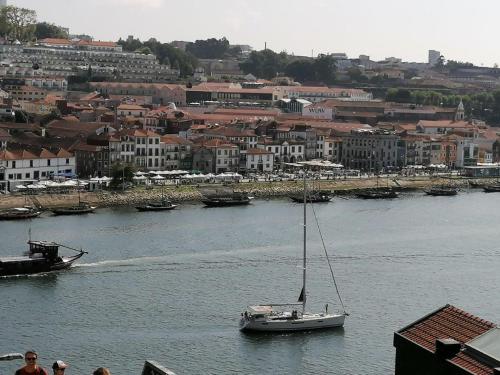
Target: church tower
{"type": "Point", "coordinates": [460, 113]}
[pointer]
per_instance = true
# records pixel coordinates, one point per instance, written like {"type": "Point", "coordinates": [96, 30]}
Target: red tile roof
{"type": "Point", "coordinates": [450, 322]}
{"type": "Point", "coordinates": [217, 143]}
{"type": "Point", "coordinates": [174, 139]}
{"type": "Point", "coordinates": [444, 124]}
{"type": "Point", "coordinates": [258, 151]}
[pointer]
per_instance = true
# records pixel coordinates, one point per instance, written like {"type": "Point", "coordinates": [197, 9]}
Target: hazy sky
{"type": "Point", "coordinates": [461, 30]}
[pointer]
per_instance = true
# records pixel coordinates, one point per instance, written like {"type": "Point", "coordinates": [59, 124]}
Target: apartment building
{"type": "Point", "coordinates": [370, 150]}
{"type": "Point", "coordinates": [23, 166]}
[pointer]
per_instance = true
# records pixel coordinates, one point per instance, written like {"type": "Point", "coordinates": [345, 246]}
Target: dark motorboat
{"type": "Point", "coordinates": [476, 184]}
{"type": "Point", "coordinates": [492, 188]}
{"type": "Point", "coordinates": [163, 205]}
{"type": "Point", "coordinates": [234, 199]}
{"type": "Point", "coordinates": [314, 197]}
{"type": "Point", "coordinates": [442, 191]}
{"type": "Point", "coordinates": [81, 208]}
{"type": "Point", "coordinates": [19, 213]}
{"type": "Point", "coordinates": [42, 257]}
{"type": "Point", "coordinates": [377, 193]}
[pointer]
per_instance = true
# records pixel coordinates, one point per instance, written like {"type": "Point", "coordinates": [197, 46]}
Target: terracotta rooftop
{"type": "Point", "coordinates": [174, 139]}
{"type": "Point", "coordinates": [217, 143]}
{"type": "Point", "coordinates": [444, 124]}
{"type": "Point", "coordinates": [450, 322]}
{"type": "Point", "coordinates": [258, 151]}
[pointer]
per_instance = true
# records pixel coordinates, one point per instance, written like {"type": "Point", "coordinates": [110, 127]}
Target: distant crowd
{"type": "Point", "coordinates": [58, 367]}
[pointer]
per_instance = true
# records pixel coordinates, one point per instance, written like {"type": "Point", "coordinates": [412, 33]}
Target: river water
{"type": "Point", "coordinates": [171, 286]}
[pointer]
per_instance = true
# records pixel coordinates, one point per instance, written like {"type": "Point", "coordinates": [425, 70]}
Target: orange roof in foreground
{"type": "Point", "coordinates": [450, 322]}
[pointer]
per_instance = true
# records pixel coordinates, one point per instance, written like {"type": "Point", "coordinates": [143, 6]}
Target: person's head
{"type": "Point", "coordinates": [102, 371]}
{"type": "Point", "coordinates": [59, 367]}
{"type": "Point", "coordinates": [30, 358]}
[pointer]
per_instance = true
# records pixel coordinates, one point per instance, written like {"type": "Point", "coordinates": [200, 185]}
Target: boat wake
{"type": "Point", "coordinates": [129, 262]}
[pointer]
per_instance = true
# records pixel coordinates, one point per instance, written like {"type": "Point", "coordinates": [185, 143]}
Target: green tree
{"type": "Point", "coordinates": [265, 64]}
{"type": "Point", "coordinates": [301, 70]}
{"type": "Point", "coordinates": [144, 51]}
{"type": "Point", "coordinates": [166, 54]}
{"type": "Point", "coordinates": [453, 65]}
{"type": "Point", "coordinates": [17, 23]}
{"type": "Point", "coordinates": [209, 49]}
{"type": "Point", "coordinates": [49, 30]}
{"type": "Point", "coordinates": [325, 68]}
{"type": "Point", "coordinates": [121, 174]}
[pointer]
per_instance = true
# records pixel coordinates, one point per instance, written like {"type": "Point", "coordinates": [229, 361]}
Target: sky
{"type": "Point", "coordinates": [461, 30]}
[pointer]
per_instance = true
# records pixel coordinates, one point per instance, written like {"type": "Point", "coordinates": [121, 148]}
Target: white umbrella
{"type": "Point", "coordinates": [21, 187]}
{"type": "Point", "coordinates": [140, 173]}
{"type": "Point", "coordinates": [157, 178]}
{"type": "Point", "coordinates": [141, 177]}
{"type": "Point", "coordinates": [36, 187]}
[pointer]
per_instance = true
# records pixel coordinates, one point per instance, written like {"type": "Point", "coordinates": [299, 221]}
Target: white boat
{"type": "Point", "coordinates": [292, 316]}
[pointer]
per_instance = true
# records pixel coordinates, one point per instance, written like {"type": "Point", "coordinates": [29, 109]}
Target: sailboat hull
{"type": "Point", "coordinates": [307, 322]}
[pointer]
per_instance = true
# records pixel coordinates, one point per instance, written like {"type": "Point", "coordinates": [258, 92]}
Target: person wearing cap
{"type": "Point", "coordinates": [31, 368]}
{"type": "Point", "coordinates": [59, 367]}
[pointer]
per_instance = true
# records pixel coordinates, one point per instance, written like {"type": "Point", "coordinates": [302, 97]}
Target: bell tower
{"type": "Point", "coordinates": [460, 113]}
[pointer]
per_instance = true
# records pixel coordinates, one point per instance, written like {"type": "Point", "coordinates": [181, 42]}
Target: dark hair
{"type": "Point", "coordinates": [102, 371]}
{"type": "Point", "coordinates": [31, 352]}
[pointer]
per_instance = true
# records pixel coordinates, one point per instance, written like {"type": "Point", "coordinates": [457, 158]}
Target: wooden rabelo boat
{"type": "Point", "coordinates": [42, 256]}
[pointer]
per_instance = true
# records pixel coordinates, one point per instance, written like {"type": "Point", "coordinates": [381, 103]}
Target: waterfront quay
{"type": "Point", "coordinates": [258, 189]}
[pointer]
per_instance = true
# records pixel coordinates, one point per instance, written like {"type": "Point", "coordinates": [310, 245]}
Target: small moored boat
{"type": "Point", "coordinates": [492, 188]}
{"type": "Point", "coordinates": [163, 205]}
{"type": "Point", "coordinates": [42, 256]}
{"type": "Point", "coordinates": [81, 208]}
{"type": "Point", "coordinates": [19, 213]}
{"type": "Point", "coordinates": [321, 196]}
{"type": "Point", "coordinates": [234, 199]}
{"type": "Point", "coordinates": [442, 191]}
{"type": "Point", "coordinates": [381, 193]}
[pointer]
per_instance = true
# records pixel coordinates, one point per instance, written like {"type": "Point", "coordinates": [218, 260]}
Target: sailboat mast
{"type": "Point", "coordinates": [305, 241]}
{"type": "Point", "coordinates": [78, 188]}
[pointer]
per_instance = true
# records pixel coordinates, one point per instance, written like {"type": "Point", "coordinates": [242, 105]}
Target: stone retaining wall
{"type": "Point", "coordinates": [185, 193]}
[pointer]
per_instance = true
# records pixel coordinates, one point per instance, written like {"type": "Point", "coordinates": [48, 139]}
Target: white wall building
{"type": "Point", "coordinates": [259, 160]}
{"type": "Point", "coordinates": [22, 167]}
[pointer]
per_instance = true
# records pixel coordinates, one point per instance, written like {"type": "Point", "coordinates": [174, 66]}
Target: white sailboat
{"type": "Point", "coordinates": [290, 317]}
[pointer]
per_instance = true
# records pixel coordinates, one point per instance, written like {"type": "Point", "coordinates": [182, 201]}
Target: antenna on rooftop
{"type": "Point", "coordinates": [265, 46]}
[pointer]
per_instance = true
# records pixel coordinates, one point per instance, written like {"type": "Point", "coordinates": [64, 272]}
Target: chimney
{"type": "Point", "coordinates": [447, 348]}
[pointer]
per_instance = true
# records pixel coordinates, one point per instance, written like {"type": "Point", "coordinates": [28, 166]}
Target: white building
{"type": "Point", "coordinates": [286, 151]}
{"type": "Point", "coordinates": [147, 148]}
{"type": "Point", "coordinates": [23, 167]}
{"type": "Point", "coordinates": [319, 111]}
{"type": "Point", "coordinates": [467, 153]}
{"type": "Point", "coordinates": [259, 160]}
{"type": "Point", "coordinates": [132, 110]}
{"type": "Point", "coordinates": [316, 94]}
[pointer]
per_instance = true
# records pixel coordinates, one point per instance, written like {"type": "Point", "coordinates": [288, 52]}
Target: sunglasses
{"type": "Point", "coordinates": [31, 358]}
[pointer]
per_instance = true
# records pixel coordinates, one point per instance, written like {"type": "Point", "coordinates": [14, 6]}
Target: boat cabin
{"type": "Point", "coordinates": [49, 250]}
